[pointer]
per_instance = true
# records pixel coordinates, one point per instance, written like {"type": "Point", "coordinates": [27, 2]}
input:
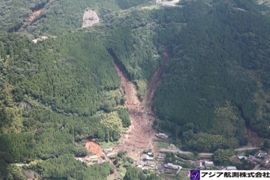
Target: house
{"type": "Point", "coordinates": [150, 154]}
{"type": "Point", "coordinates": [160, 168]}
{"type": "Point", "coordinates": [266, 162]}
{"type": "Point", "coordinates": [107, 150]}
{"type": "Point", "coordinates": [141, 164]}
{"type": "Point", "coordinates": [145, 157]}
{"type": "Point", "coordinates": [80, 159]}
{"type": "Point", "coordinates": [230, 168]}
{"type": "Point", "coordinates": [260, 154]}
{"type": "Point", "coordinates": [199, 164]}
{"type": "Point", "coordinates": [162, 136]}
{"type": "Point", "coordinates": [253, 159]}
{"type": "Point", "coordinates": [93, 158]}
{"type": "Point", "coordinates": [208, 163]}
{"type": "Point", "coordinates": [35, 40]}
{"type": "Point", "coordinates": [241, 157]}
{"type": "Point", "coordinates": [150, 164]}
{"type": "Point", "coordinates": [161, 156]}
{"type": "Point", "coordinates": [44, 37]}
{"type": "Point", "coordinates": [172, 166]}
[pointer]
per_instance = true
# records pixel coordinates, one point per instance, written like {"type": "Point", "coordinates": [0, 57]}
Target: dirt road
{"type": "Point", "coordinates": [246, 148]}
{"type": "Point", "coordinates": [176, 151]}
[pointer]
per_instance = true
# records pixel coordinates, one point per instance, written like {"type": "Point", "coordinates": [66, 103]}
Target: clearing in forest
{"type": "Point", "coordinates": [90, 18]}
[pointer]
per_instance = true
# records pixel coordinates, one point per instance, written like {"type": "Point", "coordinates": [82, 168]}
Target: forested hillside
{"type": "Point", "coordinates": [56, 16]}
{"type": "Point", "coordinates": [218, 77]}
{"type": "Point", "coordinates": [58, 92]}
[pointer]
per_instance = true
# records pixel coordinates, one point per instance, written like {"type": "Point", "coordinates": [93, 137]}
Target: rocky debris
{"type": "Point", "coordinates": [90, 18]}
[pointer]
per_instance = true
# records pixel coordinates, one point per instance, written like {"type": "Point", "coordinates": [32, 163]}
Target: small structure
{"type": "Point", "coordinates": [260, 154]}
{"type": "Point", "coordinates": [172, 166]}
{"type": "Point", "coordinates": [253, 159]}
{"type": "Point", "coordinates": [145, 157]}
{"type": "Point", "coordinates": [80, 159]}
{"type": "Point", "coordinates": [150, 154]}
{"type": "Point", "coordinates": [44, 37]}
{"type": "Point", "coordinates": [141, 164]}
{"type": "Point", "coordinates": [241, 157]}
{"type": "Point", "coordinates": [93, 158]}
{"type": "Point", "coordinates": [208, 163]}
{"type": "Point", "coordinates": [230, 168]}
{"type": "Point", "coordinates": [199, 164]}
{"type": "Point", "coordinates": [161, 156]}
{"type": "Point", "coordinates": [162, 136]}
{"type": "Point", "coordinates": [35, 40]}
{"type": "Point", "coordinates": [266, 161]}
{"type": "Point", "coordinates": [107, 150]}
{"type": "Point", "coordinates": [159, 169]}
{"type": "Point", "coordinates": [151, 164]}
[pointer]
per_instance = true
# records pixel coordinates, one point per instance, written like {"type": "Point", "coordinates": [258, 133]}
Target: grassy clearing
{"type": "Point", "coordinates": [162, 144]}
{"type": "Point", "coordinates": [108, 144]}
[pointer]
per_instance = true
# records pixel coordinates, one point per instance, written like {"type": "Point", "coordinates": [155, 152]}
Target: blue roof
{"type": "Point", "coordinates": [241, 157]}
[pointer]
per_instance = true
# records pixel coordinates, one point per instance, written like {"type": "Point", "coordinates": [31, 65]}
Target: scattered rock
{"type": "Point", "coordinates": [90, 18]}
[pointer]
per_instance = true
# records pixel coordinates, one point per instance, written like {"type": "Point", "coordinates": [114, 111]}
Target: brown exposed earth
{"type": "Point", "coordinates": [33, 15]}
{"type": "Point", "coordinates": [155, 81]}
{"type": "Point", "coordinates": [93, 147]}
{"type": "Point", "coordinates": [140, 135]}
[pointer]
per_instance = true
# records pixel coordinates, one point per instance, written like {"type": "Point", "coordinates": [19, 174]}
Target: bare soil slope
{"type": "Point", "coordinates": [155, 81]}
{"type": "Point", "coordinates": [33, 15]}
{"type": "Point", "coordinates": [94, 148]}
{"type": "Point", "coordinates": [140, 135]}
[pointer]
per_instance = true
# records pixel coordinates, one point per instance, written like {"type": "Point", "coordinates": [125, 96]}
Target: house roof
{"type": "Point", "coordinates": [231, 168]}
{"type": "Point", "coordinates": [253, 158]}
{"type": "Point", "coordinates": [162, 155]}
{"type": "Point", "coordinates": [208, 163]}
{"type": "Point", "coordinates": [261, 153]}
{"type": "Point", "coordinates": [93, 157]}
{"type": "Point", "coordinates": [150, 163]}
{"type": "Point", "coordinates": [241, 157]}
{"type": "Point", "coordinates": [160, 167]}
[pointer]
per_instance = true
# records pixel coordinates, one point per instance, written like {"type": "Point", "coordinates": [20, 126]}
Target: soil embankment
{"type": "Point", "coordinates": [140, 134]}
{"type": "Point", "coordinates": [94, 148]}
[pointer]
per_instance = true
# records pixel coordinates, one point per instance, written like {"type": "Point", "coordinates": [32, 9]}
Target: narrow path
{"type": "Point", "coordinates": [246, 148]}
{"type": "Point", "coordinates": [115, 173]}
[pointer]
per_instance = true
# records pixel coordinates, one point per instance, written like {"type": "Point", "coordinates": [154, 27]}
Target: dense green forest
{"type": "Point", "coordinates": [57, 16]}
{"type": "Point", "coordinates": [218, 77]}
{"type": "Point", "coordinates": [65, 89]}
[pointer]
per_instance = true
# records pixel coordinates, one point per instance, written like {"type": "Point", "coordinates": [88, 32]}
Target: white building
{"type": "Point", "coordinates": [172, 166]}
